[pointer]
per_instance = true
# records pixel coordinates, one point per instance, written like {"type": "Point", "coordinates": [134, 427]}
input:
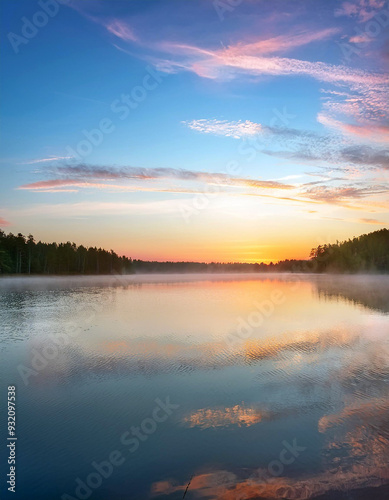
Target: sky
{"type": "Point", "coordinates": [209, 130]}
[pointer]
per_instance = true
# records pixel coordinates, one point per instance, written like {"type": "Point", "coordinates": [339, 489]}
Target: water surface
{"type": "Point", "coordinates": [278, 385]}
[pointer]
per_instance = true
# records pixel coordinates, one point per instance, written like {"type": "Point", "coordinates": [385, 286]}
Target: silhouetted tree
{"type": "Point", "coordinates": [18, 254]}
{"type": "Point", "coordinates": [21, 255]}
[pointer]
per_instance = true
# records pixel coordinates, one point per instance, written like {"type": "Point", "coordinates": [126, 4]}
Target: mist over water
{"type": "Point", "coordinates": [281, 383]}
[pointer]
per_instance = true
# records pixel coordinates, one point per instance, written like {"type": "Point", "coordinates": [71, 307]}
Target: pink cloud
{"type": "Point", "coordinates": [54, 183]}
{"type": "Point", "coordinates": [115, 26]}
{"type": "Point", "coordinates": [360, 39]}
{"type": "Point", "coordinates": [86, 177]}
{"type": "Point", "coordinates": [373, 132]}
{"type": "Point", "coordinates": [250, 58]}
{"type": "Point", "coordinates": [262, 58]}
{"type": "Point", "coordinates": [280, 43]}
{"type": "Point", "coordinates": [318, 70]}
{"type": "Point", "coordinates": [253, 58]}
{"type": "Point", "coordinates": [157, 180]}
{"type": "Point", "coordinates": [378, 133]}
{"type": "Point", "coordinates": [340, 194]}
{"type": "Point", "coordinates": [4, 222]}
{"type": "Point", "coordinates": [121, 30]}
{"type": "Point", "coordinates": [363, 10]}
{"type": "Point", "coordinates": [363, 93]}
{"type": "Point", "coordinates": [371, 221]}
{"type": "Point", "coordinates": [347, 9]}
{"type": "Point", "coordinates": [61, 185]}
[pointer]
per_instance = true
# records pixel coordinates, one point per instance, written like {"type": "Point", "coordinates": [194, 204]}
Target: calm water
{"type": "Point", "coordinates": [241, 387]}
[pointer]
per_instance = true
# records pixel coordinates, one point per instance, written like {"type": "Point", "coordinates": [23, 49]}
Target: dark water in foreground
{"type": "Point", "coordinates": [241, 386]}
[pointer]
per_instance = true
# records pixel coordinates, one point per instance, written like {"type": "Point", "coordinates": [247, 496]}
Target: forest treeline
{"type": "Point", "coordinates": [23, 255]}
{"type": "Point", "coordinates": [369, 252]}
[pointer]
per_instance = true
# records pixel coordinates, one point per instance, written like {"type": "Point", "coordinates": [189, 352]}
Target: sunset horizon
{"type": "Point", "coordinates": [128, 254]}
{"type": "Point", "coordinates": [196, 133]}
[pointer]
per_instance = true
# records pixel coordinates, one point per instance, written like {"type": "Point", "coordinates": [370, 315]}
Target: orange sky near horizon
{"type": "Point", "coordinates": [252, 140]}
{"type": "Point", "coordinates": [242, 240]}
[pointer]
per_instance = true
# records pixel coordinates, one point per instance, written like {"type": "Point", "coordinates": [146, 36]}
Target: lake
{"type": "Point", "coordinates": [197, 386]}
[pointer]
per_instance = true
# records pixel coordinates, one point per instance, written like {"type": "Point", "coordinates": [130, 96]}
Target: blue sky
{"type": "Point", "coordinates": [250, 131]}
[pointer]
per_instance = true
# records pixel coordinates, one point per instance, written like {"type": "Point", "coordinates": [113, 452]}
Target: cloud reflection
{"type": "Point", "coordinates": [221, 417]}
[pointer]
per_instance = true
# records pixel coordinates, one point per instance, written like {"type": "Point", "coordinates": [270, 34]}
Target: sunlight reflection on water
{"type": "Point", "coordinates": [253, 361]}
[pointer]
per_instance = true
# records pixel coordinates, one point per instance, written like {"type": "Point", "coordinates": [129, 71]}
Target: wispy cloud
{"type": "Point", "coordinates": [303, 145]}
{"type": "Point", "coordinates": [358, 97]}
{"type": "Point", "coordinates": [46, 160]}
{"type": "Point", "coordinates": [372, 221]}
{"type": "Point", "coordinates": [265, 46]}
{"type": "Point", "coordinates": [115, 26]}
{"type": "Point", "coordinates": [343, 193]}
{"type": "Point", "coordinates": [121, 29]}
{"type": "Point", "coordinates": [232, 61]}
{"type": "Point", "coordinates": [354, 155]}
{"type": "Point", "coordinates": [329, 190]}
{"type": "Point", "coordinates": [373, 132]}
{"type": "Point", "coordinates": [242, 129]}
{"type": "Point", "coordinates": [362, 10]}
{"type": "Point", "coordinates": [254, 57]}
{"type": "Point", "coordinates": [85, 176]}
{"type": "Point", "coordinates": [357, 105]}
{"type": "Point", "coordinates": [360, 39]}
{"type": "Point", "coordinates": [226, 128]}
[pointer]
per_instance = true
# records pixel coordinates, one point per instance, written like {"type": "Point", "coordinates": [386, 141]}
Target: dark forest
{"type": "Point", "coordinates": [23, 255]}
